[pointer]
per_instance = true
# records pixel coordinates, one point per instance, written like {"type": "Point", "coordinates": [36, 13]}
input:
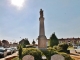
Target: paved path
{"type": "Point", "coordinates": [14, 54]}
{"type": "Point", "coordinates": [75, 57]}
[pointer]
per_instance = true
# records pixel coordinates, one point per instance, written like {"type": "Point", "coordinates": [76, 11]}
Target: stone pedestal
{"type": "Point", "coordinates": [42, 42]}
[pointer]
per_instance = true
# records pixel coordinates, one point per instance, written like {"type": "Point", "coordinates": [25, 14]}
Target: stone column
{"type": "Point", "coordinates": [42, 40]}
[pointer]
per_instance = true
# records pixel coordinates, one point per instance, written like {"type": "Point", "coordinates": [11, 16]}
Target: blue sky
{"type": "Point", "coordinates": [61, 17]}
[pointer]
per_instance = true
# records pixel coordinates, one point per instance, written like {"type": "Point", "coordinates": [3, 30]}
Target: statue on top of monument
{"type": "Point", "coordinates": [41, 13]}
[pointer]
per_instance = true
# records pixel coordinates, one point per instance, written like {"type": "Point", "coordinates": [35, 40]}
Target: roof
{"type": "Point", "coordinates": [68, 38]}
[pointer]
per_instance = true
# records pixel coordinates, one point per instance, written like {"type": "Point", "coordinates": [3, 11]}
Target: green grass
{"type": "Point", "coordinates": [16, 58]}
{"type": "Point", "coordinates": [70, 48]}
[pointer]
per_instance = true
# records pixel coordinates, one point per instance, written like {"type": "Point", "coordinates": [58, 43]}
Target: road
{"type": "Point", "coordinates": [14, 54]}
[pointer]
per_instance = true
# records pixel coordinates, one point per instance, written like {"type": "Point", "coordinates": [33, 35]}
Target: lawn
{"type": "Point", "coordinates": [70, 48]}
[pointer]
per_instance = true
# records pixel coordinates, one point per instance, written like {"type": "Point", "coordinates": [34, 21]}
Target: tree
{"type": "Point", "coordinates": [24, 42]}
{"type": "Point", "coordinates": [20, 52]}
{"type": "Point", "coordinates": [53, 40]}
{"type": "Point", "coordinates": [5, 43]}
{"type": "Point", "coordinates": [33, 42]}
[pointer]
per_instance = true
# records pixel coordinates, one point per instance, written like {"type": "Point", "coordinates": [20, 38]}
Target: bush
{"type": "Point", "coordinates": [32, 51]}
{"type": "Point", "coordinates": [49, 52]}
{"type": "Point", "coordinates": [63, 46]}
{"type": "Point", "coordinates": [66, 56]}
{"type": "Point", "coordinates": [55, 48]}
{"type": "Point", "coordinates": [38, 54]}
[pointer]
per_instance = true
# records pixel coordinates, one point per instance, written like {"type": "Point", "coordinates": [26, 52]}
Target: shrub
{"type": "Point", "coordinates": [49, 52]}
{"type": "Point", "coordinates": [55, 48]}
{"type": "Point", "coordinates": [38, 54]}
{"type": "Point", "coordinates": [63, 48]}
{"type": "Point", "coordinates": [66, 56]}
{"type": "Point", "coordinates": [32, 51]}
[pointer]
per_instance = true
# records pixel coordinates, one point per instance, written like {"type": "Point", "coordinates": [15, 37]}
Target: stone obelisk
{"type": "Point", "coordinates": [42, 40]}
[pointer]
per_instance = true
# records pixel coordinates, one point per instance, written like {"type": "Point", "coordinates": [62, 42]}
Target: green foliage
{"type": "Point", "coordinates": [32, 51]}
{"type": "Point", "coordinates": [55, 48]}
{"type": "Point", "coordinates": [63, 47]}
{"type": "Point", "coordinates": [53, 40]}
{"type": "Point", "coordinates": [70, 48]}
{"type": "Point", "coordinates": [16, 58]}
{"type": "Point", "coordinates": [39, 53]}
{"type": "Point", "coordinates": [33, 42]}
{"type": "Point", "coordinates": [24, 42]}
{"type": "Point", "coordinates": [49, 52]}
{"type": "Point", "coordinates": [67, 57]}
{"type": "Point", "coordinates": [70, 45]}
{"type": "Point", "coordinates": [20, 52]}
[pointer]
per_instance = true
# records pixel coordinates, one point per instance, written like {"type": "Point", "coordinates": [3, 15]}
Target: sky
{"type": "Point", "coordinates": [61, 17]}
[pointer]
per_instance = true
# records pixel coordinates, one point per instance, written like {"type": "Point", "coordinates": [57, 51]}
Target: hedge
{"type": "Point", "coordinates": [32, 51]}
{"type": "Point", "coordinates": [39, 53]}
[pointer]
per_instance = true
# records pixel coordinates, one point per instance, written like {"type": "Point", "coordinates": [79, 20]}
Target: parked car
{"type": "Point", "coordinates": [9, 51]}
{"type": "Point", "coordinates": [14, 49]}
{"type": "Point", "coordinates": [1, 47]}
{"type": "Point", "coordinates": [78, 47]}
{"type": "Point", "coordinates": [75, 47]}
{"type": "Point", "coordinates": [3, 52]}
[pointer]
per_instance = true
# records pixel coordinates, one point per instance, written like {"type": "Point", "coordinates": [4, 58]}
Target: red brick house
{"type": "Point", "coordinates": [73, 41]}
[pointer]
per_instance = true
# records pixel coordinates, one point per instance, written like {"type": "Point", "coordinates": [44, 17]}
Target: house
{"type": "Point", "coordinates": [73, 41]}
{"type": "Point", "coordinates": [5, 43]}
{"type": "Point", "coordinates": [13, 45]}
{"type": "Point", "coordinates": [0, 43]}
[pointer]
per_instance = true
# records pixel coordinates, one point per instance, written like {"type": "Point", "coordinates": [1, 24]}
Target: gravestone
{"type": "Point", "coordinates": [57, 57]}
{"type": "Point", "coordinates": [28, 57]}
